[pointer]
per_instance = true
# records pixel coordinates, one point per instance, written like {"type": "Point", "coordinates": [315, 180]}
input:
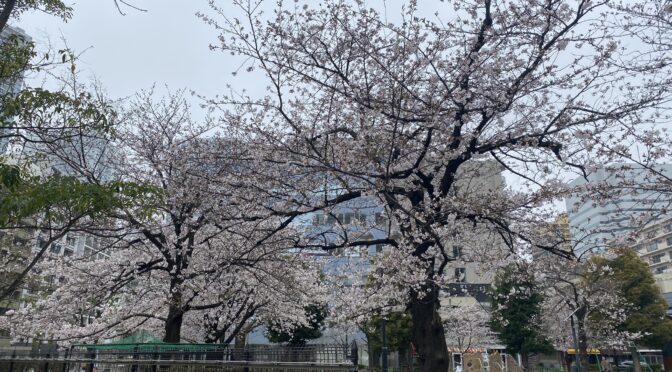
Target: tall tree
{"type": "Point", "coordinates": [360, 104]}
{"type": "Point", "coordinates": [647, 313]}
{"type": "Point", "coordinates": [516, 313]}
{"type": "Point", "coordinates": [69, 115]}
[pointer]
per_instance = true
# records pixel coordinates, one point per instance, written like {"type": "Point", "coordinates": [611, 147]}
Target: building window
{"type": "Point", "coordinates": [669, 241]}
{"type": "Point", "coordinates": [668, 227]}
{"type": "Point", "coordinates": [457, 251]}
{"type": "Point", "coordinates": [67, 252]}
{"type": "Point", "coordinates": [362, 218]}
{"type": "Point", "coordinates": [55, 248]}
{"type": "Point", "coordinates": [652, 234]}
{"type": "Point", "coordinates": [70, 240]}
{"type": "Point", "coordinates": [657, 258]}
{"type": "Point", "coordinates": [652, 246]}
{"type": "Point", "coordinates": [380, 219]}
{"type": "Point", "coordinates": [660, 270]}
{"type": "Point", "coordinates": [379, 248]}
{"type": "Point", "coordinates": [460, 274]}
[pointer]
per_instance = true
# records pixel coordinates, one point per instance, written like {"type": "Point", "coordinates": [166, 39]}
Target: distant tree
{"type": "Point", "coordinates": [583, 292]}
{"type": "Point", "coordinates": [299, 335]}
{"type": "Point", "coordinates": [516, 313]}
{"type": "Point", "coordinates": [397, 333]}
{"type": "Point", "coordinates": [468, 327]}
{"type": "Point", "coordinates": [646, 314]}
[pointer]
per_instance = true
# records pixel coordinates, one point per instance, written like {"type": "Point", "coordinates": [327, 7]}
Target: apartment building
{"type": "Point", "coordinates": [595, 223]}
{"type": "Point", "coordinates": [654, 245]}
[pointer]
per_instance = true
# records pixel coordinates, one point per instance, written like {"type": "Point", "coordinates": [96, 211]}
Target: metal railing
{"type": "Point", "coordinates": [146, 358]}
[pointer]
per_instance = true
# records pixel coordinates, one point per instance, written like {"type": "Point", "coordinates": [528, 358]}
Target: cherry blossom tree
{"type": "Point", "coordinates": [183, 262]}
{"type": "Point", "coordinates": [587, 292]}
{"type": "Point", "coordinates": [359, 104]}
{"type": "Point", "coordinates": [467, 327]}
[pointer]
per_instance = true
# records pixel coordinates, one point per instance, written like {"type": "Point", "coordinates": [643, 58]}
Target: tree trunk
{"type": "Point", "coordinates": [427, 332]}
{"type": "Point", "coordinates": [173, 326]}
{"type": "Point", "coordinates": [374, 358]}
{"type": "Point", "coordinates": [583, 343]}
{"type": "Point", "coordinates": [7, 8]}
{"type": "Point", "coordinates": [525, 359]}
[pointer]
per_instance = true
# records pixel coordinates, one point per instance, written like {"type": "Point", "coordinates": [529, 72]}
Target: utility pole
{"type": "Point", "coordinates": [576, 341]}
{"type": "Point", "coordinates": [384, 348]}
{"type": "Point", "coordinates": [576, 344]}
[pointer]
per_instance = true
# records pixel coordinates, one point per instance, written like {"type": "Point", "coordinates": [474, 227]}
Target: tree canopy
{"type": "Point", "coordinates": [516, 312]}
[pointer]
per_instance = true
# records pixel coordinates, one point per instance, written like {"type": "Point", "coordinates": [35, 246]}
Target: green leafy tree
{"type": "Point", "coordinates": [300, 334]}
{"type": "Point", "coordinates": [49, 121]}
{"type": "Point", "coordinates": [516, 311]}
{"type": "Point", "coordinates": [647, 311]}
{"type": "Point", "coordinates": [397, 333]}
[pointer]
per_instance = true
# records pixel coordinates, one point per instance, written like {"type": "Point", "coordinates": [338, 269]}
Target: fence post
{"type": "Point", "coordinates": [134, 367]}
{"type": "Point", "coordinates": [11, 362]}
{"type": "Point", "coordinates": [65, 361]}
{"type": "Point", "coordinates": [156, 358]}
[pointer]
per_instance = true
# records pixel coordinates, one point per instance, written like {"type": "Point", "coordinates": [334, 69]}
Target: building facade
{"type": "Point", "coordinates": [9, 85]}
{"type": "Point", "coordinates": [625, 202]}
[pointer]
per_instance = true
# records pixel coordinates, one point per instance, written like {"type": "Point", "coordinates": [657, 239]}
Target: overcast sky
{"type": "Point", "coordinates": [167, 44]}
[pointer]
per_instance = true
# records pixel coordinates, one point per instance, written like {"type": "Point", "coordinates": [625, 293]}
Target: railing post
{"type": "Point", "coordinates": [156, 358]}
{"type": "Point", "coordinates": [134, 367]}
{"type": "Point", "coordinates": [65, 361]}
{"type": "Point", "coordinates": [11, 362]}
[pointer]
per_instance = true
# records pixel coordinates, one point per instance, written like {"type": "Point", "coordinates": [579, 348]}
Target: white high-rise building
{"type": "Point", "coordinates": [10, 85]}
{"type": "Point", "coordinates": [595, 223]}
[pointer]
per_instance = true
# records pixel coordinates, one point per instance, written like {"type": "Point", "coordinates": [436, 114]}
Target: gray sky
{"type": "Point", "coordinates": [167, 44]}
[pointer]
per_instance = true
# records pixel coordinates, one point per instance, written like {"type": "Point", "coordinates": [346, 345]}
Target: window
{"type": "Point", "coordinates": [70, 240]}
{"type": "Point", "coordinates": [379, 248]}
{"type": "Point", "coordinates": [460, 274]}
{"type": "Point", "coordinates": [652, 246]}
{"type": "Point", "coordinates": [67, 252]}
{"type": "Point", "coordinates": [55, 248]}
{"type": "Point", "coordinates": [457, 251]}
{"type": "Point", "coordinates": [380, 219]}
{"type": "Point", "coordinates": [657, 258]}
{"type": "Point", "coordinates": [651, 234]}
{"type": "Point", "coordinates": [660, 270]}
{"type": "Point", "coordinates": [669, 241]}
{"type": "Point", "coordinates": [668, 227]}
{"type": "Point", "coordinates": [88, 253]}
{"type": "Point", "coordinates": [362, 218]}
